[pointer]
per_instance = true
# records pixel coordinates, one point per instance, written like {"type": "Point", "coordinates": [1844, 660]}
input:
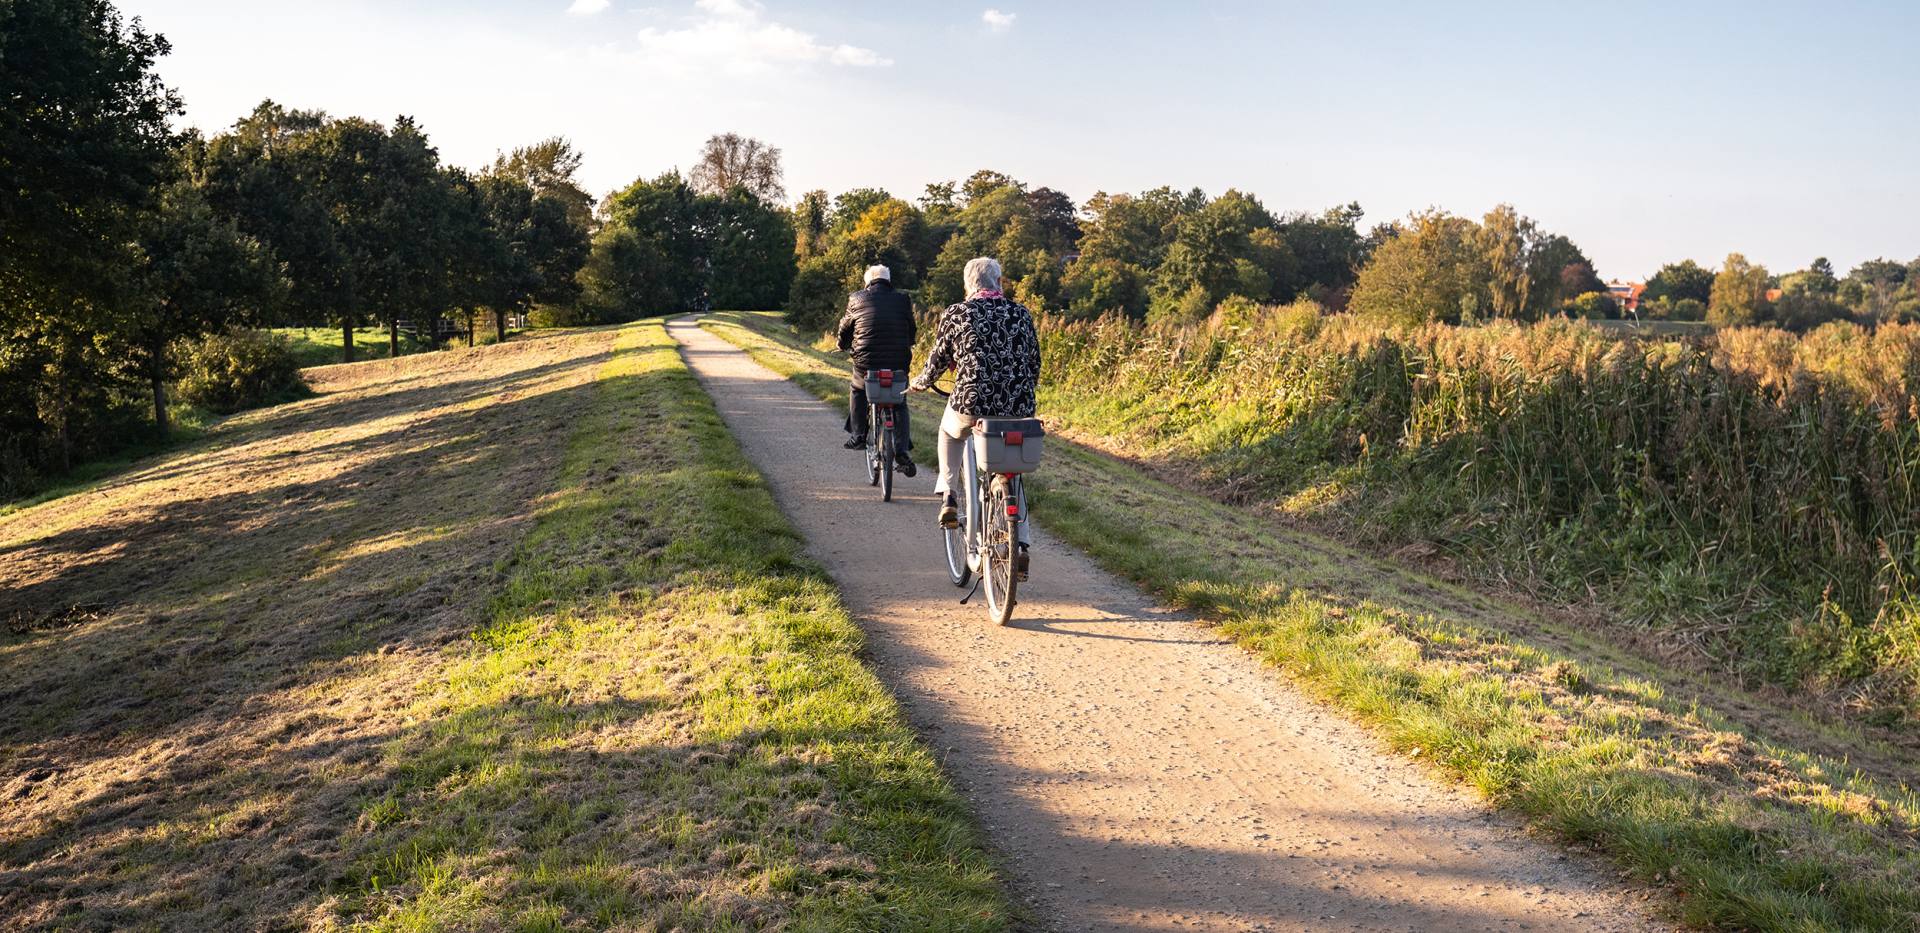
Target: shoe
{"type": "Point", "coordinates": [949, 512]}
{"type": "Point", "coordinates": [855, 442]}
{"type": "Point", "coordinates": [907, 467]}
{"type": "Point", "coordinates": [1020, 564]}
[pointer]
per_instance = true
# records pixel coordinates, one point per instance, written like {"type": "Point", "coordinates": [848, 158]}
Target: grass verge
{"type": "Point", "coordinates": [1587, 742]}
{"type": "Point", "coordinates": [321, 346]}
{"type": "Point", "coordinates": [664, 723]}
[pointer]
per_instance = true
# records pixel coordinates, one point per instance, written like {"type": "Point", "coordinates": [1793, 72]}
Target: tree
{"type": "Point", "coordinates": [1093, 287]}
{"type": "Point", "coordinates": [647, 257]}
{"type": "Point", "coordinates": [1680, 280]}
{"type": "Point", "coordinates": [985, 182]}
{"type": "Point", "coordinates": [1578, 278]}
{"type": "Point", "coordinates": [199, 274]}
{"type": "Point", "coordinates": [810, 224]}
{"type": "Point", "coordinates": [1327, 249]}
{"type": "Point", "coordinates": [1738, 296]}
{"type": "Point", "coordinates": [1227, 248]}
{"type": "Point", "coordinates": [731, 160]}
{"type": "Point", "coordinates": [1561, 272]}
{"type": "Point", "coordinates": [84, 143]}
{"type": "Point", "coordinates": [1507, 242]}
{"type": "Point", "coordinates": [749, 251]}
{"type": "Point", "coordinates": [1431, 270]}
{"type": "Point", "coordinates": [549, 168]}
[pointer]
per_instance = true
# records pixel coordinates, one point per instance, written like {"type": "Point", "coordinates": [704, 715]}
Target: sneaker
{"type": "Point", "coordinates": [1020, 564]}
{"type": "Point", "coordinates": [949, 512]}
{"type": "Point", "coordinates": [907, 467]}
{"type": "Point", "coordinates": [855, 442]}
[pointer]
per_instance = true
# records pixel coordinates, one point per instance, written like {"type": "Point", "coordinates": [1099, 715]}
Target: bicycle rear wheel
{"type": "Point", "coordinates": [886, 464]}
{"type": "Point", "coordinates": [998, 543]}
{"type": "Point", "coordinates": [873, 459]}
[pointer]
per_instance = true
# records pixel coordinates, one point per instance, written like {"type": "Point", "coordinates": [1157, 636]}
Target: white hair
{"type": "Point", "coordinates": [982, 275]}
{"type": "Point", "coordinates": [877, 272]}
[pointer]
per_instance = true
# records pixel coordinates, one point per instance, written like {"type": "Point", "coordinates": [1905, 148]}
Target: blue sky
{"type": "Point", "coordinates": [1647, 132]}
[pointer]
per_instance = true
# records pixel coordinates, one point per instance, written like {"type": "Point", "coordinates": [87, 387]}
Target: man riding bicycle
{"type": "Point", "coordinates": [877, 332]}
{"type": "Point", "coordinates": [989, 343]}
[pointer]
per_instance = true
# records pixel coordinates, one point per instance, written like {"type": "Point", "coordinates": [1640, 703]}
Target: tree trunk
{"type": "Point", "coordinates": [393, 337]}
{"type": "Point", "coordinates": [346, 344]}
{"type": "Point", "coordinates": [469, 314]}
{"type": "Point", "coordinates": [500, 324]}
{"type": "Point", "coordinates": [160, 407]}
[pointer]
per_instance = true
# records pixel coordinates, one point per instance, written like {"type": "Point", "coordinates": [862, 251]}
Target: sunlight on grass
{"type": "Point", "coordinates": [664, 723]}
{"type": "Point", "coordinates": [1747, 833]}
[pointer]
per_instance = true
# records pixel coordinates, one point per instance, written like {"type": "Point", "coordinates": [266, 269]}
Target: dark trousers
{"type": "Point", "coordinates": [857, 421]}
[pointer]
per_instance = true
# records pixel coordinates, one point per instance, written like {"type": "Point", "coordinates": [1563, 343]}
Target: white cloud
{"type": "Point", "coordinates": [735, 36]}
{"type": "Point", "coordinates": [588, 7]}
{"type": "Point", "coordinates": [998, 21]}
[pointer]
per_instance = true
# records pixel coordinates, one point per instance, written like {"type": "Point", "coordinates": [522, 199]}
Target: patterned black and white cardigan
{"type": "Point", "coordinates": [990, 345]}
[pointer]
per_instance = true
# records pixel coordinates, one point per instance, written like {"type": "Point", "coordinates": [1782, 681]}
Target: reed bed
{"type": "Point", "coordinates": [1748, 497]}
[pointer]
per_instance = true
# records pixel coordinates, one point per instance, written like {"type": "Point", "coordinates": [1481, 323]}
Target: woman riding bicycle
{"type": "Point", "coordinates": [989, 343]}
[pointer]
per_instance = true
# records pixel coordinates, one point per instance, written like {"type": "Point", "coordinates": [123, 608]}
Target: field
{"type": "Point", "coordinates": [500, 639]}
{"type": "Point", "coordinates": [1751, 813]}
{"type": "Point", "coordinates": [320, 346]}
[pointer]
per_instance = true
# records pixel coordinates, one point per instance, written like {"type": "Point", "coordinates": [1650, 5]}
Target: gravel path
{"type": "Point", "coordinates": [1136, 771]}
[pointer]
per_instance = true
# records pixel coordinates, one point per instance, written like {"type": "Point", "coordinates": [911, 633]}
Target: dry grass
{"type": "Point", "coordinates": [475, 640]}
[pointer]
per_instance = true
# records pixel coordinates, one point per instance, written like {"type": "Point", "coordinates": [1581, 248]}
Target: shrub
{"type": "Point", "coordinates": [818, 295]}
{"type": "Point", "coordinates": [237, 370]}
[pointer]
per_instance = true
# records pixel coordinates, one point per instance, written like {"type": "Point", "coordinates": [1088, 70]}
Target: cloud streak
{"type": "Point", "coordinates": [588, 7]}
{"type": "Point", "coordinates": [998, 21]}
{"type": "Point", "coordinates": [737, 37]}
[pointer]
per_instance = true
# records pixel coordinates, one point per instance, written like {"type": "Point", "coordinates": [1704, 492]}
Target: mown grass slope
{"type": "Point", "coordinates": [508, 639]}
{"type": "Point", "coordinates": [1755, 822]}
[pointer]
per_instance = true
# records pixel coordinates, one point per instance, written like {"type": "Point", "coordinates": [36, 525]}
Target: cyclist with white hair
{"type": "Point", "coordinates": [989, 343]}
{"type": "Point", "coordinates": [878, 332]}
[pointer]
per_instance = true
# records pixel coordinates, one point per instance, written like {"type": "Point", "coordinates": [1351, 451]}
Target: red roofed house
{"type": "Point", "coordinates": [1626, 294]}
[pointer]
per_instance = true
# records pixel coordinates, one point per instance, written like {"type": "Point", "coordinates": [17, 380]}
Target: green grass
{"type": "Point", "coordinates": [320, 346]}
{"type": "Point", "coordinates": [1587, 742]}
{"type": "Point", "coordinates": [665, 723]}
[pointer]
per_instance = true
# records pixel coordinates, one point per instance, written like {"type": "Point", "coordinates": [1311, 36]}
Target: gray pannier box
{"type": "Point", "coordinates": [1009, 445]}
{"type": "Point", "coordinates": [887, 386]}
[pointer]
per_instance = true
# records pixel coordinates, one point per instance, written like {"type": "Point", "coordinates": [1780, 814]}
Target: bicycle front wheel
{"type": "Point", "coordinates": [998, 544]}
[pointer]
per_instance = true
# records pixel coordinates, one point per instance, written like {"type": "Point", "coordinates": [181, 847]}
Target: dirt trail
{"type": "Point", "coordinates": [1137, 771]}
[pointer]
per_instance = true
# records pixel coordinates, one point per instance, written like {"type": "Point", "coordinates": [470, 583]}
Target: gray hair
{"type": "Point", "coordinates": [982, 275]}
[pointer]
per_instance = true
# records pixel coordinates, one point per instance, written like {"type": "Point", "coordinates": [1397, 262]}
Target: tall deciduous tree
{"type": "Point", "coordinates": [1739, 292]}
{"type": "Point", "coordinates": [1431, 271]}
{"type": "Point", "coordinates": [731, 160]}
{"type": "Point", "coordinates": [84, 142]}
{"type": "Point", "coordinates": [550, 167]}
{"type": "Point", "coordinates": [198, 274]}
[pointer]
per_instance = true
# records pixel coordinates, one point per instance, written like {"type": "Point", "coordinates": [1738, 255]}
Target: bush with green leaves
{"type": "Point", "coordinates": [237, 370]}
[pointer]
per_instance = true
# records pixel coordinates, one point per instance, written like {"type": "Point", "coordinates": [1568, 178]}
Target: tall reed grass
{"type": "Point", "coordinates": [1749, 497]}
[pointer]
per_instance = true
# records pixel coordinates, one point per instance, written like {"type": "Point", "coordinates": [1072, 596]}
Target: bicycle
{"type": "Point", "coordinates": [991, 539]}
{"type": "Point", "coordinates": [886, 389]}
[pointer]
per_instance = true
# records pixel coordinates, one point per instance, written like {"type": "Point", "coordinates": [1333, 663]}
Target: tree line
{"type": "Point", "coordinates": [127, 245]}
{"type": "Point", "coordinates": [1172, 255]}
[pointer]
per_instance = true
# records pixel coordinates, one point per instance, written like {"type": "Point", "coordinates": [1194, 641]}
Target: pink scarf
{"type": "Point", "coordinates": [985, 294]}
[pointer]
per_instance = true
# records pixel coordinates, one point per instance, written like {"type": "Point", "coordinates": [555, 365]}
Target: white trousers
{"type": "Point", "coordinates": [954, 430]}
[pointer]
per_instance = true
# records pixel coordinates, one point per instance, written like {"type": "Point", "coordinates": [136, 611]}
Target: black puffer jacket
{"type": "Point", "coordinates": [878, 330]}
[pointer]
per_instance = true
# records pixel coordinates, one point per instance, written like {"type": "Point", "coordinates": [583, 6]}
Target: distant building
{"type": "Point", "coordinates": [1626, 294]}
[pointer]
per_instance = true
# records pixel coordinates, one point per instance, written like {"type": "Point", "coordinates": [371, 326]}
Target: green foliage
{"type": "Point", "coordinates": [239, 369]}
{"type": "Point", "coordinates": [1093, 287]}
{"type": "Point", "coordinates": [1433, 271]}
{"type": "Point", "coordinates": [84, 147]}
{"type": "Point", "coordinates": [665, 248]}
{"type": "Point", "coordinates": [1738, 297]}
{"type": "Point", "coordinates": [1680, 281]}
{"type": "Point", "coordinates": [1593, 306]}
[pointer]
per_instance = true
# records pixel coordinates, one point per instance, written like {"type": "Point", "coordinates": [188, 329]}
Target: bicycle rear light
{"type": "Point", "coordinates": [1015, 438]}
